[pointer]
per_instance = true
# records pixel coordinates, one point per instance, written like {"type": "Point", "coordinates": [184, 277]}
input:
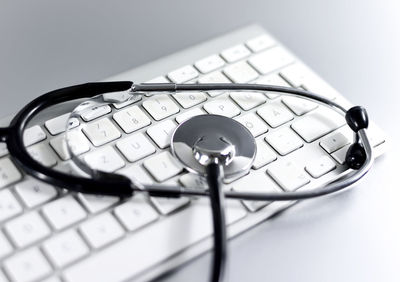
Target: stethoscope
{"type": "Point", "coordinates": [212, 146]}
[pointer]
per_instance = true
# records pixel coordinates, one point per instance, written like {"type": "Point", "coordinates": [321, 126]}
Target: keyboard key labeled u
{"type": "Point", "coordinates": [135, 147]}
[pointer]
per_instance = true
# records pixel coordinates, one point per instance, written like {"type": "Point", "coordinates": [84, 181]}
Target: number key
{"type": "Point", "coordinates": [160, 107]}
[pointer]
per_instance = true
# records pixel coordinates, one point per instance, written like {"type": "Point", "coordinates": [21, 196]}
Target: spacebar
{"type": "Point", "coordinates": [153, 244]}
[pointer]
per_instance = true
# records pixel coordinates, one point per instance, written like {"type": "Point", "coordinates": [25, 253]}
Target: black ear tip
{"type": "Point", "coordinates": [357, 118]}
{"type": "Point", "coordinates": [356, 156]}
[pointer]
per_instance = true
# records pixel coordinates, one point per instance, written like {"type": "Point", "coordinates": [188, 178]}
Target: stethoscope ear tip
{"type": "Point", "coordinates": [356, 156]}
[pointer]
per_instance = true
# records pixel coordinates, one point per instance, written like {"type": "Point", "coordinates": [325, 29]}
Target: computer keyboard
{"type": "Point", "coordinates": [49, 234]}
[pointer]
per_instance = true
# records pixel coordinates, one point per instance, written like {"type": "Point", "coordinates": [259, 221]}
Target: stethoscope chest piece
{"type": "Point", "coordinates": [201, 139]}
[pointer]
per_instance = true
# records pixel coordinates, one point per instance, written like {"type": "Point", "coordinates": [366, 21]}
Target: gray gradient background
{"type": "Point", "coordinates": [354, 45]}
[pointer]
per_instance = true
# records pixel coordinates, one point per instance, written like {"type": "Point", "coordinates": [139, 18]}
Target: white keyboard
{"type": "Point", "coordinates": [48, 234]}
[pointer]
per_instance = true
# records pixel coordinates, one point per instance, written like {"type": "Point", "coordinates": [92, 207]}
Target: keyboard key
{"type": "Point", "coordinates": [258, 182]}
{"type": "Point", "coordinates": [320, 166]}
{"type": "Point", "coordinates": [214, 77]}
{"type": "Point", "coordinates": [209, 63]}
{"type": "Point", "coordinates": [260, 43]}
{"type": "Point", "coordinates": [235, 53]}
{"type": "Point", "coordinates": [34, 192]}
{"type": "Point", "coordinates": [322, 88]}
{"type": "Point", "coordinates": [101, 132]}
{"type": "Point", "coordinates": [131, 119]}
{"type": "Point", "coordinates": [101, 230]}
{"type": "Point", "coordinates": [272, 79]}
{"type": "Point", "coordinates": [169, 205]}
{"type": "Point", "coordinates": [183, 74]}
{"type": "Point", "coordinates": [3, 149]}
{"type": "Point", "coordinates": [151, 240]}
{"type": "Point", "coordinates": [270, 60]}
{"type": "Point", "coordinates": [288, 175]}
{"type": "Point", "coordinates": [135, 147]}
{"type": "Point", "coordinates": [95, 112]}
{"type": "Point", "coordinates": [27, 229]}
{"type": "Point", "coordinates": [299, 106]}
{"type": "Point", "coordinates": [275, 114]}
{"type": "Point", "coordinates": [253, 123]}
{"type": "Point", "coordinates": [296, 74]}
{"type": "Point", "coordinates": [284, 141]}
{"type": "Point", "coordinates": [317, 124]}
{"type": "Point", "coordinates": [340, 155]}
{"type": "Point", "coordinates": [63, 212]}
{"type": "Point", "coordinates": [78, 143]}
{"type": "Point", "coordinates": [240, 72]}
{"type": "Point", "coordinates": [159, 79]}
{"type": "Point", "coordinates": [161, 133]}
{"type": "Point", "coordinates": [41, 153]}
{"type": "Point", "coordinates": [5, 246]}
{"type": "Point", "coordinates": [65, 248]}
{"type": "Point", "coordinates": [189, 99]}
{"type": "Point", "coordinates": [222, 106]}
{"type": "Point", "coordinates": [97, 203]}
{"type": "Point", "coordinates": [125, 96]}
{"type": "Point", "coordinates": [299, 75]}
{"type": "Point", "coordinates": [29, 265]}
{"type": "Point", "coordinates": [248, 100]}
{"type": "Point", "coordinates": [337, 140]}
{"type": "Point", "coordinates": [135, 214]}
{"type": "Point", "coordinates": [162, 166]}
{"type": "Point", "coordinates": [191, 180]}
{"type": "Point", "coordinates": [136, 173]}
{"type": "Point", "coordinates": [189, 114]}
{"type": "Point", "coordinates": [160, 106]}
{"type": "Point", "coordinates": [104, 159]}
{"type": "Point", "coordinates": [33, 135]}
{"type": "Point", "coordinates": [9, 205]}
{"type": "Point", "coordinates": [8, 172]}
{"type": "Point", "coordinates": [58, 124]}
{"type": "Point", "coordinates": [265, 154]}
{"type": "Point", "coordinates": [71, 168]}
